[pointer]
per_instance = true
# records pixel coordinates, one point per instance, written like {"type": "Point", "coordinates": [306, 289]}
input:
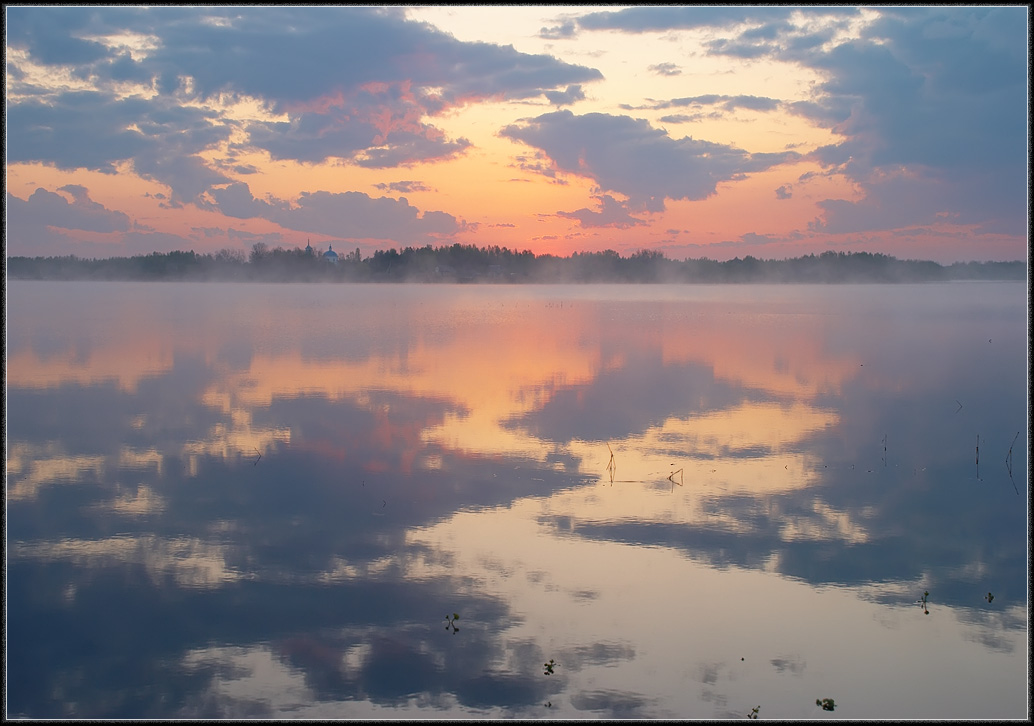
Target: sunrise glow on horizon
{"type": "Point", "coordinates": [714, 132]}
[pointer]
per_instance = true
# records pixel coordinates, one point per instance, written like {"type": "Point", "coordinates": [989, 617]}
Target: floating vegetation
{"type": "Point", "coordinates": [549, 667]}
{"type": "Point", "coordinates": [922, 601]}
{"type": "Point", "coordinates": [989, 597]}
{"type": "Point", "coordinates": [754, 712]}
{"type": "Point", "coordinates": [826, 703]}
{"type": "Point", "coordinates": [450, 622]}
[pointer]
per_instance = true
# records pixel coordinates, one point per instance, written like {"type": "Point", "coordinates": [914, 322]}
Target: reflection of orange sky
{"type": "Point", "coordinates": [490, 366]}
{"type": "Point", "coordinates": [126, 362]}
{"type": "Point", "coordinates": [772, 359]}
{"type": "Point", "coordinates": [705, 450]}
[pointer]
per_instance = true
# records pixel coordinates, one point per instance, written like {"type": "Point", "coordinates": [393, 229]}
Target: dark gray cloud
{"type": "Point", "coordinates": [631, 157]}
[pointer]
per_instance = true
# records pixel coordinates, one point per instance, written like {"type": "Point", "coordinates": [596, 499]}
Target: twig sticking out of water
{"type": "Point", "coordinates": [960, 405]}
{"type": "Point", "coordinates": [884, 450]}
{"type": "Point", "coordinates": [610, 465]}
{"type": "Point", "coordinates": [1008, 462]}
{"type": "Point", "coordinates": [978, 457]}
{"type": "Point", "coordinates": [671, 478]}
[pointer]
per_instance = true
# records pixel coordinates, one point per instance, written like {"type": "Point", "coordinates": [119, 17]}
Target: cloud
{"type": "Point", "coordinates": [345, 215]}
{"type": "Point", "coordinates": [784, 192]}
{"type": "Point", "coordinates": [566, 97]}
{"type": "Point", "coordinates": [662, 19]}
{"type": "Point", "coordinates": [612, 213]}
{"type": "Point", "coordinates": [932, 99]}
{"type": "Point", "coordinates": [629, 156]}
{"type": "Point", "coordinates": [931, 102]}
{"type": "Point", "coordinates": [160, 139]}
{"type": "Point", "coordinates": [404, 187]}
{"type": "Point", "coordinates": [51, 224]}
{"type": "Point", "coordinates": [566, 29]}
{"type": "Point", "coordinates": [354, 83]}
{"type": "Point", "coordinates": [54, 210]}
{"type": "Point", "coordinates": [665, 69]}
{"type": "Point", "coordinates": [724, 103]}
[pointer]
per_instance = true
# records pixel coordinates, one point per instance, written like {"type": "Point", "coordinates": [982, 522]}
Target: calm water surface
{"type": "Point", "coordinates": [265, 500]}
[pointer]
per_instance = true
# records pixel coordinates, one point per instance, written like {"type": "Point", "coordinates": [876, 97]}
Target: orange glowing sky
{"type": "Point", "coordinates": [694, 131]}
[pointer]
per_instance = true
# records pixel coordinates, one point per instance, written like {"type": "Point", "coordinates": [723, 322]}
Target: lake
{"type": "Point", "coordinates": [530, 501]}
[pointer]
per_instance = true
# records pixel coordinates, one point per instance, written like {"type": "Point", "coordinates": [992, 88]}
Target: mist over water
{"type": "Point", "coordinates": [265, 500]}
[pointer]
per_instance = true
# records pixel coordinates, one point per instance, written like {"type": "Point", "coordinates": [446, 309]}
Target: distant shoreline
{"type": "Point", "coordinates": [494, 265]}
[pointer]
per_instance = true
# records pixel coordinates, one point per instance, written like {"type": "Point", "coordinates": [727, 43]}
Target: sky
{"type": "Point", "coordinates": [704, 131]}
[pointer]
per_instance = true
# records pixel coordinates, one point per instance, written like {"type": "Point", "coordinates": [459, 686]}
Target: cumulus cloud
{"type": "Point", "coordinates": [345, 215]}
{"type": "Point", "coordinates": [403, 187]}
{"type": "Point", "coordinates": [566, 97]}
{"type": "Point", "coordinates": [79, 213]}
{"type": "Point", "coordinates": [932, 99]}
{"type": "Point", "coordinates": [611, 213]}
{"type": "Point", "coordinates": [355, 83]}
{"type": "Point", "coordinates": [53, 224]}
{"type": "Point", "coordinates": [566, 29]}
{"type": "Point", "coordinates": [631, 157]}
{"type": "Point", "coordinates": [663, 18]}
{"type": "Point", "coordinates": [665, 69]}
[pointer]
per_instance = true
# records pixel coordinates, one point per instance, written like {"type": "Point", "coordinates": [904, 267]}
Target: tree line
{"type": "Point", "coordinates": [469, 263]}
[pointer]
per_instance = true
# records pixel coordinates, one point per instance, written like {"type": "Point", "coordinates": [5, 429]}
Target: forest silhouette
{"type": "Point", "coordinates": [471, 264]}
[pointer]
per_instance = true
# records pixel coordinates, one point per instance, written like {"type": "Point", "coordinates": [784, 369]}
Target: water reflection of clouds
{"type": "Point", "coordinates": [320, 498]}
{"type": "Point", "coordinates": [191, 562]}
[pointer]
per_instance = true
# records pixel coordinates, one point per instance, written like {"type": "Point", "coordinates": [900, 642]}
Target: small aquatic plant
{"type": "Point", "coordinates": [922, 601]}
{"type": "Point", "coordinates": [826, 703]}
{"type": "Point", "coordinates": [754, 712]}
{"type": "Point", "coordinates": [989, 597]}
{"type": "Point", "coordinates": [549, 667]}
{"type": "Point", "coordinates": [450, 622]}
